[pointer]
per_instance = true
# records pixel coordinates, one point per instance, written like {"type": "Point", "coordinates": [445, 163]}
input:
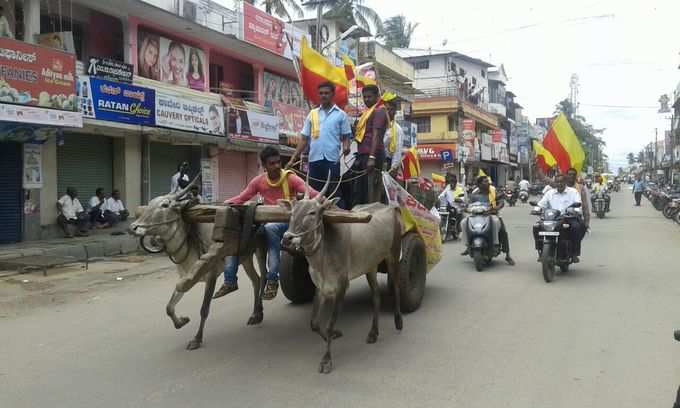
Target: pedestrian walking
{"type": "Point", "coordinates": [638, 188]}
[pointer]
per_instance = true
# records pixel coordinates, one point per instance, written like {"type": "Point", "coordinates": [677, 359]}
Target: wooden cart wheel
{"type": "Point", "coordinates": [413, 272]}
{"type": "Point", "coordinates": [296, 284]}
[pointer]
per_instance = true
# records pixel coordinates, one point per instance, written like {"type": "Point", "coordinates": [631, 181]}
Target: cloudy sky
{"type": "Point", "coordinates": [622, 50]}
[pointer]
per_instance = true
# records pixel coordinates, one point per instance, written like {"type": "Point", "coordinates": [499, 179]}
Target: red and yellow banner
{"type": "Point", "coordinates": [315, 69]}
{"type": "Point", "coordinates": [544, 159]}
{"type": "Point", "coordinates": [562, 143]}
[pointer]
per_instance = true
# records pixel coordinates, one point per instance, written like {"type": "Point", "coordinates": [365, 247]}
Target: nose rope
{"type": "Point", "coordinates": [317, 241]}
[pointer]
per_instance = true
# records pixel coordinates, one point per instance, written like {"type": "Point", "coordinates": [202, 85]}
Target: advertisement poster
{"type": "Point", "coordinates": [283, 90]}
{"type": "Point", "coordinates": [415, 216]}
{"type": "Point", "coordinates": [436, 152]}
{"type": "Point", "coordinates": [253, 126]}
{"type": "Point", "coordinates": [37, 76]}
{"type": "Point", "coordinates": [40, 116]}
{"type": "Point", "coordinates": [116, 102]}
{"type": "Point", "coordinates": [109, 69]}
{"type": "Point", "coordinates": [208, 179]}
{"type": "Point", "coordinates": [497, 135]}
{"type": "Point", "coordinates": [170, 61]}
{"type": "Point", "coordinates": [33, 177]}
{"type": "Point", "coordinates": [179, 113]}
{"type": "Point", "coordinates": [469, 152]}
{"type": "Point", "coordinates": [268, 32]}
{"type": "Point", "coordinates": [410, 133]}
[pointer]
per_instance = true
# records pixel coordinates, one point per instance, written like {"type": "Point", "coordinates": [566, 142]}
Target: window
{"type": "Point", "coordinates": [424, 64]}
{"type": "Point", "coordinates": [461, 72]}
{"type": "Point", "coordinates": [452, 67]}
{"type": "Point", "coordinates": [453, 123]}
{"type": "Point", "coordinates": [423, 124]}
{"type": "Point", "coordinates": [483, 73]}
{"type": "Point", "coordinates": [216, 76]}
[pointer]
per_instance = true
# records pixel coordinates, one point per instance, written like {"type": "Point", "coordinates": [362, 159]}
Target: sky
{"type": "Point", "coordinates": [622, 50]}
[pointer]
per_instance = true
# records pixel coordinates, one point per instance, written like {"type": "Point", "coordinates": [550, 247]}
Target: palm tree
{"type": "Point", "coordinates": [397, 32]}
{"type": "Point", "coordinates": [364, 16]}
{"type": "Point", "coordinates": [631, 158]}
{"type": "Point", "coordinates": [280, 8]}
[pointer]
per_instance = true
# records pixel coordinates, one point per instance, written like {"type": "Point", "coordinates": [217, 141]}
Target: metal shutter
{"type": "Point", "coordinates": [10, 192]}
{"type": "Point", "coordinates": [164, 159]}
{"type": "Point", "coordinates": [233, 173]}
{"type": "Point", "coordinates": [86, 163]}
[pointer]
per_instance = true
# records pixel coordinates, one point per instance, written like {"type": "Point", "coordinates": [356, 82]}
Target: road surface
{"type": "Point", "coordinates": [600, 336]}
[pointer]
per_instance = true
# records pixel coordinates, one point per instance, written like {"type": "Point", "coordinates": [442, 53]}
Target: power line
{"type": "Point", "coordinates": [620, 106]}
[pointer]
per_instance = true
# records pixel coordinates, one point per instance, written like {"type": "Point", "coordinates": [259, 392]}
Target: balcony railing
{"type": "Point", "coordinates": [450, 91]}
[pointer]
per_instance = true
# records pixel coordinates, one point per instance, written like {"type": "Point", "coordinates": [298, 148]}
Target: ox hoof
{"type": "Point", "coordinates": [336, 334]}
{"type": "Point", "coordinates": [194, 344]}
{"type": "Point", "coordinates": [314, 326]}
{"type": "Point", "coordinates": [398, 322]}
{"type": "Point", "coordinates": [181, 322]}
{"type": "Point", "coordinates": [326, 366]}
{"type": "Point", "coordinates": [372, 337]}
{"type": "Point", "coordinates": [255, 319]}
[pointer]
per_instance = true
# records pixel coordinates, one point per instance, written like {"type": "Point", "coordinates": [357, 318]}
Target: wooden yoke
{"type": "Point", "coordinates": [204, 213]}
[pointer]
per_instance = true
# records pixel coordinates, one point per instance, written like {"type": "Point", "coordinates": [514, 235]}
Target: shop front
{"type": "Point", "coordinates": [84, 162]}
{"type": "Point", "coordinates": [437, 158]}
{"type": "Point", "coordinates": [11, 200]}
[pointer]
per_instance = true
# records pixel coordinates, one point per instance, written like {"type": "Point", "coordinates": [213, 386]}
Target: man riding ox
{"type": "Point", "coordinates": [185, 244]}
{"type": "Point", "coordinates": [274, 185]}
{"type": "Point", "coordinates": [338, 253]}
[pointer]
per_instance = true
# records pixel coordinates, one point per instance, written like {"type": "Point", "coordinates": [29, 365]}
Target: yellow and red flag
{"type": "Point", "coordinates": [316, 69]}
{"type": "Point", "coordinates": [562, 143]}
{"type": "Point", "coordinates": [544, 159]}
{"type": "Point", "coordinates": [410, 163]}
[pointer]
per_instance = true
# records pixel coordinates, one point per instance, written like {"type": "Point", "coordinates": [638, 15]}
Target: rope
{"type": "Point", "coordinates": [340, 181]}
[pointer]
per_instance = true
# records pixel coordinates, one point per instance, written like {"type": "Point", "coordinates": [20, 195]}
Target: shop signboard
{"type": "Point", "coordinates": [181, 113]}
{"type": "Point", "coordinates": [254, 126]}
{"type": "Point", "coordinates": [170, 61]}
{"type": "Point", "coordinates": [470, 153]}
{"type": "Point", "coordinates": [116, 102]}
{"type": "Point", "coordinates": [112, 70]}
{"type": "Point", "coordinates": [40, 116]}
{"type": "Point", "coordinates": [37, 76]}
{"type": "Point", "coordinates": [268, 32]}
{"type": "Point", "coordinates": [496, 136]}
{"type": "Point", "coordinates": [436, 152]}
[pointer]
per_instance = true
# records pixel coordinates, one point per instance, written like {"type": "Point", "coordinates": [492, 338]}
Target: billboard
{"type": "Point", "coordinates": [170, 61]}
{"type": "Point", "coordinates": [268, 32]}
{"type": "Point", "coordinates": [37, 76]}
{"type": "Point", "coordinates": [192, 116]}
{"type": "Point", "coordinates": [254, 126]}
{"type": "Point", "coordinates": [116, 102]}
{"type": "Point", "coordinates": [284, 96]}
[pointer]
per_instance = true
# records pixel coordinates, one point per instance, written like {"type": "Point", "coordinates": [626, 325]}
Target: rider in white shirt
{"type": "Point", "coordinates": [601, 187]}
{"type": "Point", "coordinates": [452, 191]}
{"type": "Point", "coordinates": [524, 185]}
{"type": "Point", "coordinates": [560, 198]}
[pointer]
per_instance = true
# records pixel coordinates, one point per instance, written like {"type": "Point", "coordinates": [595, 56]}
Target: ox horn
{"type": "Point", "coordinates": [325, 186]}
{"type": "Point", "coordinates": [307, 185]}
{"type": "Point", "coordinates": [186, 189]}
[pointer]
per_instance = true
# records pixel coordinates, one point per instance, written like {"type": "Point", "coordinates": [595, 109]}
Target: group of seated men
{"type": "Point", "coordinates": [102, 212]}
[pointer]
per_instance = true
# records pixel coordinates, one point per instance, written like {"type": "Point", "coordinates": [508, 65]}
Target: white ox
{"type": "Point", "coordinates": [186, 245]}
{"type": "Point", "coordinates": [338, 253]}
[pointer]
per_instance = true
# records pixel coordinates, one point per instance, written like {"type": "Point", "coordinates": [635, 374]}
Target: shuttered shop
{"type": "Point", "coordinates": [10, 192]}
{"type": "Point", "coordinates": [86, 163]}
{"type": "Point", "coordinates": [164, 159]}
{"type": "Point", "coordinates": [236, 169]}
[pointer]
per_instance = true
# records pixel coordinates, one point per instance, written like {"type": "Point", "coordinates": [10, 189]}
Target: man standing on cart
{"type": "Point", "coordinates": [275, 184]}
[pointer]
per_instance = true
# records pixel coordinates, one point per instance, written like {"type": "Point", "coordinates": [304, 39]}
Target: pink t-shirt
{"type": "Point", "coordinates": [271, 195]}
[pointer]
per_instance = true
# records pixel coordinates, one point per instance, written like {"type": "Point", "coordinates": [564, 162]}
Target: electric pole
{"type": "Point", "coordinates": [574, 87]}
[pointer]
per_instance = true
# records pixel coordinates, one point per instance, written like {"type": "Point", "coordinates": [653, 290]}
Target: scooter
{"type": "Point", "coordinates": [480, 235]}
{"type": "Point", "coordinates": [599, 204]}
{"type": "Point", "coordinates": [524, 196]}
{"type": "Point", "coordinates": [555, 249]}
{"type": "Point", "coordinates": [510, 197]}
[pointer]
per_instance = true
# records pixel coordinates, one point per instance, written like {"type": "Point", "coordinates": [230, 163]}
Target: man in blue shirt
{"type": "Point", "coordinates": [326, 132]}
{"type": "Point", "coordinates": [638, 188]}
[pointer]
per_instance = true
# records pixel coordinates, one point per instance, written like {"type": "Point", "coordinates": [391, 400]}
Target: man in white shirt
{"type": "Point", "coordinates": [393, 158]}
{"type": "Point", "coordinates": [180, 179]}
{"type": "Point", "coordinates": [71, 212]}
{"type": "Point", "coordinates": [452, 191]}
{"type": "Point", "coordinates": [560, 198]}
{"type": "Point", "coordinates": [524, 185]}
{"type": "Point", "coordinates": [115, 211]}
{"type": "Point", "coordinates": [96, 207]}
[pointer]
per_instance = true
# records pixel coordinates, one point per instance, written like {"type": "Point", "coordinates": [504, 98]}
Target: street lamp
{"type": "Point", "coordinates": [341, 37]}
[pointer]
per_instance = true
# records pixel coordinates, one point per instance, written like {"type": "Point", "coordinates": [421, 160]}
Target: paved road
{"type": "Point", "coordinates": [600, 336]}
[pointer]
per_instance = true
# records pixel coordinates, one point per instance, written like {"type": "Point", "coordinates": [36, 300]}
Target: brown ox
{"type": "Point", "coordinates": [338, 253]}
{"type": "Point", "coordinates": [186, 245]}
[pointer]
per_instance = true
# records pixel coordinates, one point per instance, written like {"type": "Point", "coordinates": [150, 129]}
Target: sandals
{"type": "Point", "coordinates": [270, 290]}
{"type": "Point", "coordinates": [225, 289]}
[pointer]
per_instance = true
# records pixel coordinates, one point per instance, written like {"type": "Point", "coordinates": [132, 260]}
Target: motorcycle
{"type": "Point", "coordinates": [524, 196]}
{"type": "Point", "coordinates": [480, 235]}
{"type": "Point", "coordinates": [510, 197]}
{"type": "Point", "coordinates": [671, 209]}
{"type": "Point", "coordinates": [555, 250]}
{"type": "Point", "coordinates": [599, 204]}
{"type": "Point", "coordinates": [450, 215]}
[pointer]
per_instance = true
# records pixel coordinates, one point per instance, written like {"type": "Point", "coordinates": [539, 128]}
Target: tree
{"type": "Point", "coordinates": [280, 8]}
{"type": "Point", "coordinates": [364, 16]}
{"type": "Point", "coordinates": [397, 32]}
{"type": "Point", "coordinates": [631, 158]}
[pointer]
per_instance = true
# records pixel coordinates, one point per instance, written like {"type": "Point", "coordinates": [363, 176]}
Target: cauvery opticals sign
{"type": "Point", "coordinates": [37, 76]}
{"type": "Point", "coordinates": [192, 116]}
{"type": "Point", "coordinates": [116, 102]}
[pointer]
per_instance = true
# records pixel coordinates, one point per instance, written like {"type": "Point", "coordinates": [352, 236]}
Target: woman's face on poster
{"type": "Point", "coordinates": [150, 54]}
{"type": "Point", "coordinates": [194, 61]}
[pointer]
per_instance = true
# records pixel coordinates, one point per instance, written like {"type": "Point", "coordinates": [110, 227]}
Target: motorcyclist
{"type": "Point", "coordinates": [601, 186]}
{"type": "Point", "coordinates": [524, 185]}
{"type": "Point", "coordinates": [486, 193]}
{"type": "Point", "coordinates": [452, 190]}
{"type": "Point", "coordinates": [560, 198]}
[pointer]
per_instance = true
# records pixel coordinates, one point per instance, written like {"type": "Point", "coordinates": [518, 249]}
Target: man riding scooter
{"type": "Point", "coordinates": [485, 193]}
{"type": "Point", "coordinates": [601, 187]}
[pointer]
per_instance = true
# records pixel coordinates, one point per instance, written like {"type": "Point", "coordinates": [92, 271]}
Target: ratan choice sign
{"type": "Point", "coordinates": [116, 102]}
{"type": "Point", "coordinates": [180, 113]}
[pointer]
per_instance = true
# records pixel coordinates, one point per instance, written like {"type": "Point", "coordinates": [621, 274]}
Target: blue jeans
{"type": "Point", "coordinates": [319, 170]}
{"type": "Point", "coordinates": [274, 232]}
